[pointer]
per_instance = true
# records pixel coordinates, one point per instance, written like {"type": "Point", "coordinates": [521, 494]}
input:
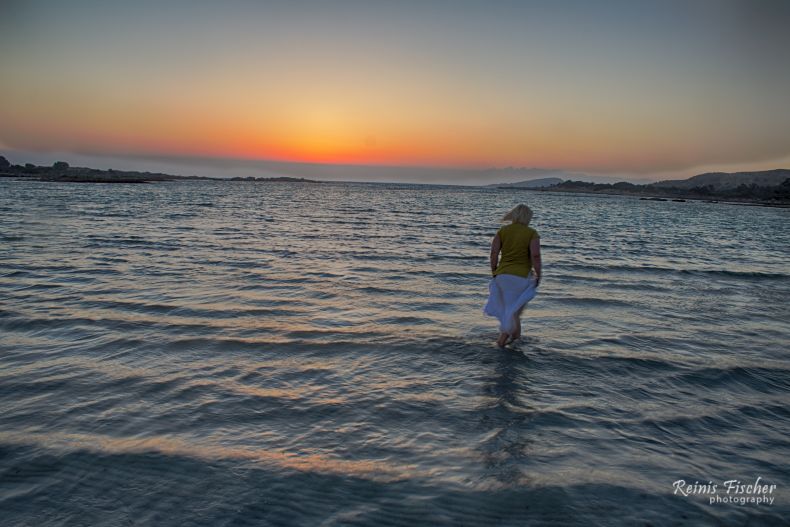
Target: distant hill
{"type": "Point", "coordinates": [60, 171]}
{"type": "Point", "coordinates": [728, 181]}
{"type": "Point", "coordinates": [522, 177]}
{"type": "Point", "coordinates": [531, 183]}
{"type": "Point", "coordinates": [770, 187]}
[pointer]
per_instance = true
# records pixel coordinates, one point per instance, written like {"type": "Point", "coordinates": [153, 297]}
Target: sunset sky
{"type": "Point", "coordinates": [620, 89]}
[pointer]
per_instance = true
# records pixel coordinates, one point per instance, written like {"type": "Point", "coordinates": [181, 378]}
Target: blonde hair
{"type": "Point", "coordinates": [520, 214]}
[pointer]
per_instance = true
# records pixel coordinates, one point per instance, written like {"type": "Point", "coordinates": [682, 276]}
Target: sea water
{"type": "Point", "coordinates": [238, 353]}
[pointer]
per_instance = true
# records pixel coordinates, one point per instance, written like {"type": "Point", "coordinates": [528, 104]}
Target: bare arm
{"type": "Point", "coordinates": [496, 246]}
{"type": "Point", "coordinates": [534, 251]}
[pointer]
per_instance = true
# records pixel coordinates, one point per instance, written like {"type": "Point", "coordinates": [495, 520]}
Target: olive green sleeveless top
{"type": "Point", "coordinates": [515, 259]}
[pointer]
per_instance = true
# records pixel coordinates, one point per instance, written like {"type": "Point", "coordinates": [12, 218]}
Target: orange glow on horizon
{"type": "Point", "coordinates": [616, 92]}
{"type": "Point", "coordinates": [305, 127]}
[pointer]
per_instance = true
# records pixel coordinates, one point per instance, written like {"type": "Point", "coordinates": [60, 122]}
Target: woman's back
{"type": "Point", "coordinates": [515, 239]}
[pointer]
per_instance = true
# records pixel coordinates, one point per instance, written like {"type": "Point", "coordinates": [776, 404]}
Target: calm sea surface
{"type": "Point", "coordinates": [209, 353]}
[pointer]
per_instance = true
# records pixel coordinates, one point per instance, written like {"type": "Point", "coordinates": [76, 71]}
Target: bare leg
{"type": "Point", "coordinates": [517, 332]}
{"type": "Point", "coordinates": [502, 340]}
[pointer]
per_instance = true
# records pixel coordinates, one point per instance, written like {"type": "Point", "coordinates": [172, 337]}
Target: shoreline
{"type": "Point", "coordinates": [600, 194]}
{"type": "Point", "coordinates": [82, 175]}
{"type": "Point", "coordinates": [62, 173]}
{"type": "Point", "coordinates": [677, 198]}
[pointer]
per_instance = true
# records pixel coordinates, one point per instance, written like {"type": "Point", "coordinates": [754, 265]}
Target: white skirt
{"type": "Point", "coordinates": [507, 294]}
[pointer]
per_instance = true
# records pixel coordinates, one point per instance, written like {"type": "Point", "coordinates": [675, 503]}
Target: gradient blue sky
{"type": "Point", "coordinates": [619, 90]}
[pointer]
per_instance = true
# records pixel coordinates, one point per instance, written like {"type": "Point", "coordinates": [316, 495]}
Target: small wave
{"type": "Point", "coordinates": [649, 269]}
{"type": "Point", "coordinates": [16, 274]}
{"type": "Point", "coordinates": [405, 320]}
{"type": "Point", "coordinates": [736, 274]}
{"type": "Point", "coordinates": [593, 302]}
{"type": "Point", "coordinates": [613, 365]}
{"type": "Point", "coordinates": [736, 378]}
{"type": "Point", "coordinates": [173, 446]}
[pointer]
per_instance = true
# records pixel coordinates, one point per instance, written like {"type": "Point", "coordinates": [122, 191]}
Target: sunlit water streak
{"type": "Point", "coordinates": [201, 353]}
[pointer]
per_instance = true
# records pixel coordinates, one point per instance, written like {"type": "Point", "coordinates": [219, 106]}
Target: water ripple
{"type": "Point", "coordinates": [202, 353]}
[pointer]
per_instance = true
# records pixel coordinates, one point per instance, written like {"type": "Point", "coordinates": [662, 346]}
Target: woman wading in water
{"type": "Point", "coordinates": [516, 276]}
